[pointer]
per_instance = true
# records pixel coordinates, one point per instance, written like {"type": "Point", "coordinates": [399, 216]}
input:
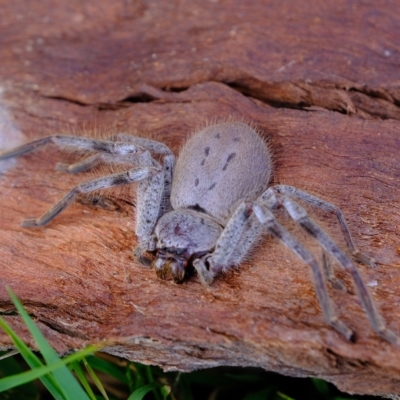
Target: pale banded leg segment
{"type": "Point", "coordinates": [252, 232]}
{"type": "Point", "coordinates": [84, 165]}
{"type": "Point", "coordinates": [93, 160]}
{"type": "Point", "coordinates": [219, 260]}
{"type": "Point", "coordinates": [299, 214]}
{"type": "Point", "coordinates": [133, 175]}
{"type": "Point", "coordinates": [80, 143]}
{"type": "Point", "coordinates": [151, 145]}
{"type": "Point", "coordinates": [314, 201]}
{"type": "Point", "coordinates": [330, 275]}
{"type": "Point", "coordinates": [152, 201]}
{"type": "Point", "coordinates": [141, 144]}
{"type": "Point", "coordinates": [267, 218]}
{"type": "Point", "coordinates": [149, 201]}
{"type": "Point", "coordinates": [136, 159]}
{"type": "Point", "coordinates": [154, 181]}
{"type": "Point", "coordinates": [168, 166]}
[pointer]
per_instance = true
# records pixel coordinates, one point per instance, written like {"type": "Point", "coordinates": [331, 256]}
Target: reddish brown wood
{"type": "Point", "coordinates": [321, 80]}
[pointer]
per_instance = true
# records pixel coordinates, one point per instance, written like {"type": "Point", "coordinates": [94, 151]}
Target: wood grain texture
{"type": "Point", "coordinates": [321, 80]}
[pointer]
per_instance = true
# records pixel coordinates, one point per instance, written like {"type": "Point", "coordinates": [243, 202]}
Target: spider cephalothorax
{"type": "Point", "coordinates": [183, 235]}
{"type": "Point", "coordinates": [209, 208]}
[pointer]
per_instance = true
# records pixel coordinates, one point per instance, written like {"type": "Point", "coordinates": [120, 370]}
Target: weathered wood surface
{"type": "Point", "coordinates": [322, 80]}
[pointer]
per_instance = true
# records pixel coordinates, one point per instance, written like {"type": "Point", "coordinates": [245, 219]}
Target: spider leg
{"type": "Point", "coordinates": [148, 191]}
{"type": "Point", "coordinates": [153, 192]}
{"type": "Point", "coordinates": [152, 201]}
{"type": "Point", "coordinates": [151, 145]}
{"type": "Point", "coordinates": [241, 230]}
{"type": "Point", "coordinates": [80, 166]}
{"type": "Point", "coordinates": [314, 201]}
{"type": "Point", "coordinates": [299, 214]}
{"type": "Point", "coordinates": [267, 218]}
{"type": "Point", "coordinates": [153, 195]}
{"type": "Point", "coordinates": [252, 232]}
{"type": "Point", "coordinates": [82, 143]}
{"type": "Point", "coordinates": [93, 160]}
{"type": "Point", "coordinates": [225, 247]}
{"type": "Point", "coordinates": [329, 274]}
{"type": "Point", "coordinates": [133, 175]}
{"type": "Point", "coordinates": [168, 166]}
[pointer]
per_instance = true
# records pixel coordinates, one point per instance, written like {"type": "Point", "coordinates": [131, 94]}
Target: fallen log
{"type": "Point", "coordinates": [320, 81]}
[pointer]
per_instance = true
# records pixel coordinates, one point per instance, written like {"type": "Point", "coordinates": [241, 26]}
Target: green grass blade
{"type": "Point", "coordinates": [150, 378]}
{"type": "Point", "coordinates": [108, 368]}
{"type": "Point", "coordinates": [264, 394]}
{"type": "Point", "coordinates": [140, 375]}
{"type": "Point", "coordinates": [11, 366]}
{"type": "Point", "coordinates": [33, 361]}
{"type": "Point", "coordinates": [96, 380]}
{"type": "Point", "coordinates": [71, 388]}
{"type": "Point", "coordinates": [9, 354]}
{"type": "Point", "coordinates": [321, 386]}
{"type": "Point", "coordinates": [283, 396]}
{"type": "Point", "coordinates": [138, 394]}
{"type": "Point", "coordinates": [81, 375]}
{"type": "Point", "coordinates": [130, 376]}
{"type": "Point", "coordinates": [165, 391]}
{"type": "Point", "coordinates": [24, 377]}
{"type": "Point", "coordinates": [182, 385]}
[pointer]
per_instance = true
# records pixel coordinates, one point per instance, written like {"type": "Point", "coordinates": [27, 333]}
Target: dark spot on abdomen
{"type": "Point", "coordinates": [196, 207]}
{"type": "Point", "coordinates": [207, 151]}
{"type": "Point", "coordinates": [228, 160]}
{"type": "Point", "coordinates": [218, 135]}
{"type": "Point", "coordinates": [236, 139]}
{"type": "Point", "coordinates": [212, 186]}
{"type": "Point", "coordinates": [196, 182]}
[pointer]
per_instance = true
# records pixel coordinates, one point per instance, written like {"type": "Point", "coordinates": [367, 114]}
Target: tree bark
{"type": "Point", "coordinates": [321, 80]}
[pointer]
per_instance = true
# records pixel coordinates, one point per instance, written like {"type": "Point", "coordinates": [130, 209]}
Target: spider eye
{"type": "Point", "coordinates": [179, 252]}
{"type": "Point", "coordinates": [162, 253]}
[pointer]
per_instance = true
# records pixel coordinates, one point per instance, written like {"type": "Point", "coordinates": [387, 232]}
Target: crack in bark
{"type": "Point", "coordinates": [54, 326]}
{"type": "Point", "coordinates": [352, 99]}
{"type": "Point", "coordinates": [67, 99]}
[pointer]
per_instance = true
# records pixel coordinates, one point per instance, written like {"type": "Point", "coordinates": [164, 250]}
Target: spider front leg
{"type": "Point", "coordinates": [155, 182]}
{"type": "Point", "coordinates": [211, 265]}
{"type": "Point", "coordinates": [153, 198]}
{"type": "Point", "coordinates": [82, 143]}
{"type": "Point", "coordinates": [299, 214]}
{"type": "Point", "coordinates": [223, 256]}
{"type": "Point", "coordinates": [133, 175]}
{"type": "Point", "coordinates": [81, 166]}
{"type": "Point", "coordinates": [106, 157]}
{"type": "Point", "coordinates": [252, 233]}
{"type": "Point", "coordinates": [152, 201]}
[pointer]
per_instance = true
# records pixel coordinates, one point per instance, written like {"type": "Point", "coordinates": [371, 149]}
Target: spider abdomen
{"type": "Point", "coordinates": [219, 167]}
